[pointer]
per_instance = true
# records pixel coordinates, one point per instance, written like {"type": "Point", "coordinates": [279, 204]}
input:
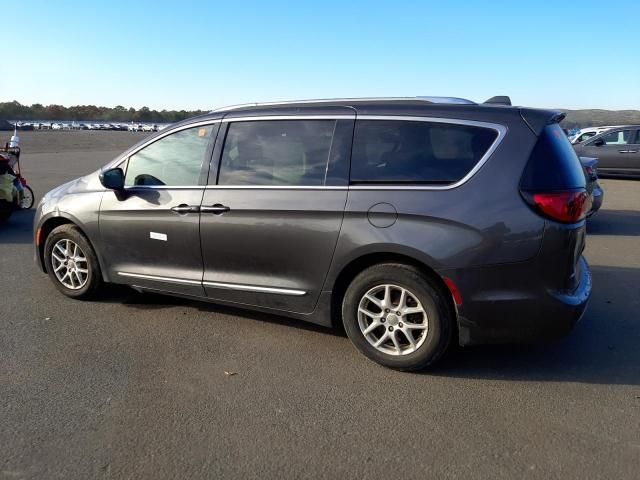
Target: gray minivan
{"type": "Point", "coordinates": [617, 151]}
{"type": "Point", "coordinates": [414, 222]}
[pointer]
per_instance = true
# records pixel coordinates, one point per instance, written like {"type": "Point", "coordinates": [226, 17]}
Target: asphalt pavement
{"type": "Point", "coordinates": [146, 386]}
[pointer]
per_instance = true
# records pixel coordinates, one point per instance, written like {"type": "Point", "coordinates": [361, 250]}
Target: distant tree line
{"type": "Point", "coordinates": [16, 111]}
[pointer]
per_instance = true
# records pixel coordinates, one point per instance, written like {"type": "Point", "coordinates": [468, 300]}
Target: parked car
{"type": "Point", "coordinates": [590, 167]}
{"type": "Point", "coordinates": [25, 126]}
{"type": "Point", "coordinates": [415, 223]}
{"type": "Point", "coordinates": [617, 151]}
{"type": "Point", "coordinates": [586, 133]}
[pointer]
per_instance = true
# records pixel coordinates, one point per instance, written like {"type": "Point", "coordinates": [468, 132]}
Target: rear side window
{"type": "Point", "coordinates": [553, 164]}
{"type": "Point", "coordinates": [398, 151]}
{"type": "Point", "coordinates": [277, 152]}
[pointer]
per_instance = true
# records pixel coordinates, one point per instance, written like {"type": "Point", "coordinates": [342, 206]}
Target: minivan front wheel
{"type": "Point", "coordinates": [397, 317]}
{"type": "Point", "coordinates": [71, 262]}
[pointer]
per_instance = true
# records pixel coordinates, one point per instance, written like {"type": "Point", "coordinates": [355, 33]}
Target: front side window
{"type": "Point", "coordinates": [617, 138]}
{"type": "Point", "coordinates": [585, 136]}
{"type": "Point", "coordinates": [394, 151]}
{"type": "Point", "coordinates": [277, 152]}
{"type": "Point", "coordinates": [173, 160]}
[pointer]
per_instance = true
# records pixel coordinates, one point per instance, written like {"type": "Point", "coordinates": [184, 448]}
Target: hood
{"type": "Point", "coordinates": [88, 183]}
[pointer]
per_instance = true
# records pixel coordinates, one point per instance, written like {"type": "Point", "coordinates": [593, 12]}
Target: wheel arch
{"type": "Point", "coordinates": [357, 265]}
{"type": "Point", "coordinates": [51, 223]}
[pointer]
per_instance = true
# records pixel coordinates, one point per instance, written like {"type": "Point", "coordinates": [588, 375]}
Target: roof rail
{"type": "Point", "coordinates": [445, 100]}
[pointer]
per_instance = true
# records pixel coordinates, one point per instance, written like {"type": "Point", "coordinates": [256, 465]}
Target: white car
{"type": "Point", "coordinates": [587, 133]}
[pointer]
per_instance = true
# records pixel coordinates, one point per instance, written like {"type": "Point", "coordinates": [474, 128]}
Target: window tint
{"type": "Point", "coordinates": [553, 164]}
{"type": "Point", "coordinates": [393, 151]}
{"type": "Point", "coordinates": [617, 138]}
{"type": "Point", "coordinates": [173, 160]}
{"type": "Point", "coordinates": [277, 152]}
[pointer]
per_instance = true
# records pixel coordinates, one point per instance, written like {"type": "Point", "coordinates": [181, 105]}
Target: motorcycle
{"type": "Point", "coordinates": [15, 193]}
{"type": "Point", "coordinates": [9, 198]}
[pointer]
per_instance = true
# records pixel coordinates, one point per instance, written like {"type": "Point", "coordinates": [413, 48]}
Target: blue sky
{"type": "Point", "coordinates": [188, 54]}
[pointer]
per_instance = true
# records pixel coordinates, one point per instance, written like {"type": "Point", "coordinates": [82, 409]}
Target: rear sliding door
{"type": "Point", "coordinates": [271, 217]}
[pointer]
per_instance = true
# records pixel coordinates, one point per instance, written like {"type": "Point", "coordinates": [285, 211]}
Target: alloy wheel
{"type": "Point", "coordinates": [392, 319]}
{"type": "Point", "coordinates": [70, 264]}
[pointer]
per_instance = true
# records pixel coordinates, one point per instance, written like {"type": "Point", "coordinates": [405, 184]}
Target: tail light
{"type": "Point", "coordinates": [592, 173]}
{"type": "Point", "coordinates": [565, 207]}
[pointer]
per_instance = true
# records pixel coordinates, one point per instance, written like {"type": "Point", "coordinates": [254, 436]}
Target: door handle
{"type": "Point", "coordinates": [632, 151]}
{"type": "Point", "coordinates": [216, 209]}
{"type": "Point", "coordinates": [623, 151]}
{"type": "Point", "coordinates": [183, 209]}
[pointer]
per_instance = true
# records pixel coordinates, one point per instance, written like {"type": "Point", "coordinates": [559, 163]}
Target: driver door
{"type": "Point", "coordinates": [150, 232]}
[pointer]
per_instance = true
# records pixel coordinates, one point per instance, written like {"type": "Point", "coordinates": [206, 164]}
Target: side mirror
{"type": "Point", "coordinates": [598, 143]}
{"type": "Point", "coordinates": [113, 179]}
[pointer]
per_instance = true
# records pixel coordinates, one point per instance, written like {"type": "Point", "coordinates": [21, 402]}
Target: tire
{"type": "Point", "coordinates": [63, 238]}
{"type": "Point", "coordinates": [28, 199]}
{"type": "Point", "coordinates": [425, 315]}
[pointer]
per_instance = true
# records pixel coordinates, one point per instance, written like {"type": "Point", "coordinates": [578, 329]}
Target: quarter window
{"type": "Point", "coordinates": [173, 160]}
{"type": "Point", "coordinates": [277, 152]}
{"type": "Point", "coordinates": [395, 151]}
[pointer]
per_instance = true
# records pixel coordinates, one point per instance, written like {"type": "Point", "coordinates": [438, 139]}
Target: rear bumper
{"type": "Point", "coordinates": [598, 197]}
{"type": "Point", "coordinates": [508, 306]}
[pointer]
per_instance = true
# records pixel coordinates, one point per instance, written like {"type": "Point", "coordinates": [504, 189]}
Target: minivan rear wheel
{"type": "Point", "coordinates": [71, 262]}
{"type": "Point", "coordinates": [396, 316]}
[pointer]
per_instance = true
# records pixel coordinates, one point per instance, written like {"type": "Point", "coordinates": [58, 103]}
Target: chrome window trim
{"type": "Point", "coordinates": [233, 187]}
{"type": "Point", "coordinates": [275, 187]}
{"type": "Point", "coordinates": [291, 117]}
{"type": "Point", "coordinates": [253, 288]}
{"type": "Point", "coordinates": [223, 285]}
{"type": "Point", "coordinates": [500, 129]}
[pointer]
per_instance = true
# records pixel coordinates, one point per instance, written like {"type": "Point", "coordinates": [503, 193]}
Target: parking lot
{"type": "Point", "coordinates": [135, 385]}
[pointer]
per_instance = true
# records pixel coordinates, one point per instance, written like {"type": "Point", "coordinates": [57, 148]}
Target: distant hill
{"type": "Point", "coordinates": [595, 118]}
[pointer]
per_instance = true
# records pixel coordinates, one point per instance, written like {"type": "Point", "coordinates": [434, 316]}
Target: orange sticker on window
{"type": "Point", "coordinates": [202, 132]}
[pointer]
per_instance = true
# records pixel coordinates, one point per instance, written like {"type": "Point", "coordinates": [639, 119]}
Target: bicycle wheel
{"type": "Point", "coordinates": [28, 198]}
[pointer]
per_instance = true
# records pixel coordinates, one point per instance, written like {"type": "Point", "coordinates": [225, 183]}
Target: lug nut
{"type": "Point", "coordinates": [390, 329]}
{"type": "Point", "coordinates": [386, 310]}
{"type": "Point", "coordinates": [383, 319]}
{"type": "Point", "coordinates": [400, 324]}
{"type": "Point", "coordinates": [398, 313]}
